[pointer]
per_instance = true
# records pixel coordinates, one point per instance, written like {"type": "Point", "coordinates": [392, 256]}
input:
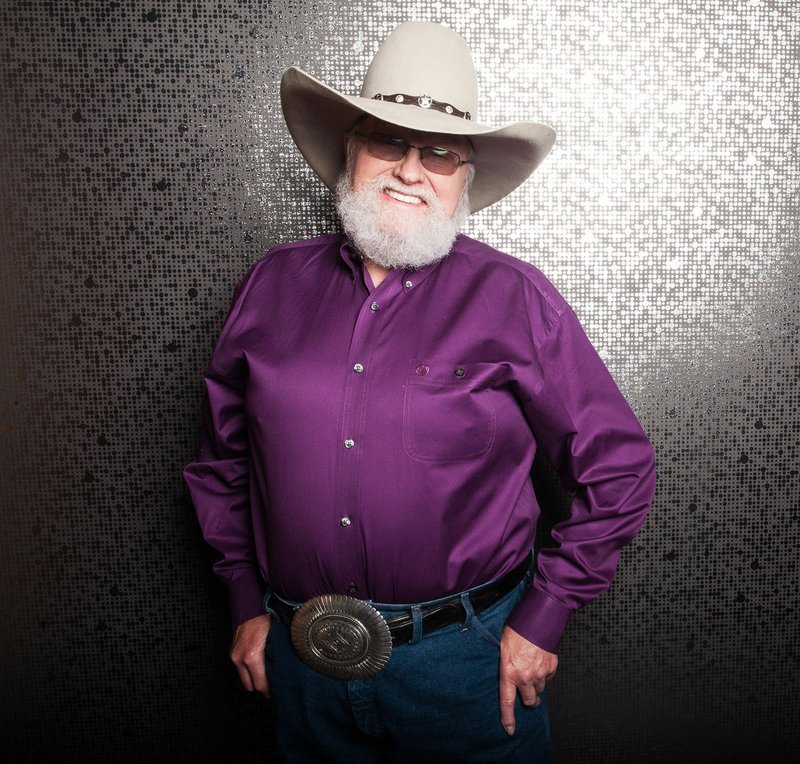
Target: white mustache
{"type": "Point", "coordinates": [392, 184]}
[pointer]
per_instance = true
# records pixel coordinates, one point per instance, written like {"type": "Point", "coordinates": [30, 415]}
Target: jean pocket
{"type": "Point", "coordinates": [491, 635]}
{"type": "Point", "coordinates": [489, 623]}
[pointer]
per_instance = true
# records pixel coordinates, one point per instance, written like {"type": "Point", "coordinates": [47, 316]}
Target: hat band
{"type": "Point", "coordinates": [424, 102]}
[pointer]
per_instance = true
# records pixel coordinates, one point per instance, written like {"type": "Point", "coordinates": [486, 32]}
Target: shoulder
{"type": "Point", "coordinates": [290, 259]}
{"type": "Point", "coordinates": [282, 275]}
{"type": "Point", "coordinates": [304, 247]}
{"type": "Point", "coordinates": [504, 274]}
{"type": "Point", "coordinates": [299, 253]}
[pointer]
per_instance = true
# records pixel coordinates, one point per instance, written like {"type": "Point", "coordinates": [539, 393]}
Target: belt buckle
{"type": "Point", "coordinates": [341, 637]}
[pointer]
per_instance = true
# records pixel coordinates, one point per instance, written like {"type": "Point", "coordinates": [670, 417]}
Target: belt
{"type": "Point", "coordinates": [439, 615]}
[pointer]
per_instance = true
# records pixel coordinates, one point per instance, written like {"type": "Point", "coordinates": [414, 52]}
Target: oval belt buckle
{"type": "Point", "coordinates": [341, 637]}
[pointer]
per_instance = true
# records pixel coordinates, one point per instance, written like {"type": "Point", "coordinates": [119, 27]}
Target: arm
{"type": "Point", "coordinates": [218, 479]}
{"type": "Point", "coordinates": [592, 438]}
{"type": "Point", "coordinates": [595, 443]}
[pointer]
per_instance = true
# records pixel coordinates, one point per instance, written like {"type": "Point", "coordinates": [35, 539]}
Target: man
{"type": "Point", "coordinates": [374, 404]}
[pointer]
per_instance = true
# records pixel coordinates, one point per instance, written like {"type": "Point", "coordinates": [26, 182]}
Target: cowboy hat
{"type": "Point", "coordinates": [422, 78]}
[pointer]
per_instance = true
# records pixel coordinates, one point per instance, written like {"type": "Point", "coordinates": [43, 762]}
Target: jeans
{"type": "Point", "coordinates": [435, 701]}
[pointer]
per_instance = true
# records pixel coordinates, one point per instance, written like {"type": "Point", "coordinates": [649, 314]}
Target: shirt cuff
{"type": "Point", "coordinates": [246, 594]}
{"type": "Point", "coordinates": [540, 619]}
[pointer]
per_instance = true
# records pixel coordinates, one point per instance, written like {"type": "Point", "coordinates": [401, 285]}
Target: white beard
{"type": "Point", "coordinates": [391, 237]}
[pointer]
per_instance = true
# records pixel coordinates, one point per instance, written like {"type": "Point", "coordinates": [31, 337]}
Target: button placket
{"type": "Point", "coordinates": [365, 333]}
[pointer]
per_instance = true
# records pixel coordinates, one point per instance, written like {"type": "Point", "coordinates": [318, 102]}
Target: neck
{"type": "Point", "coordinates": [376, 272]}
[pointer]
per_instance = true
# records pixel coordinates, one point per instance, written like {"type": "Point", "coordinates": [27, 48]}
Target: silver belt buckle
{"type": "Point", "coordinates": [341, 637]}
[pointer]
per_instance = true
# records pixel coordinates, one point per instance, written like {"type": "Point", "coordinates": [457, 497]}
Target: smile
{"type": "Point", "coordinates": [406, 198]}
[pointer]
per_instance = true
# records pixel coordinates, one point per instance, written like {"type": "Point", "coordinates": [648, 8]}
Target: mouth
{"type": "Point", "coordinates": [404, 198]}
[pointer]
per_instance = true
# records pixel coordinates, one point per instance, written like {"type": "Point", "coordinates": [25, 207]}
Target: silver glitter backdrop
{"type": "Point", "coordinates": [145, 165]}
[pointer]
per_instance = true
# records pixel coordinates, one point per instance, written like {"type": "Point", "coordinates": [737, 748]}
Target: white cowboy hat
{"type": "Point", "coordinates": [421, 78]}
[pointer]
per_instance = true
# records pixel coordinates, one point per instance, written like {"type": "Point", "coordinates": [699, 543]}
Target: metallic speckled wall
{"type": "Point", "coordinates": [145, 164]}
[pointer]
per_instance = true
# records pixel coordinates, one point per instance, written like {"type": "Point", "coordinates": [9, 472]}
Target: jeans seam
{"type": "Point", "coordinates": [483, 631]}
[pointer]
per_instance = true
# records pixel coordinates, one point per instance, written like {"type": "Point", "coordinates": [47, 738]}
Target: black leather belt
{"type": "Point", "coordinates": [435, 616]}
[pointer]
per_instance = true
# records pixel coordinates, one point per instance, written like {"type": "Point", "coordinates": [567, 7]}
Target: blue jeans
{"type": "Point", "coordinates": [435, 701]}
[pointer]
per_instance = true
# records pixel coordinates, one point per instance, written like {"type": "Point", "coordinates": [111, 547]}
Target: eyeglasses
{"type": "Point", "coordinates": [391, 148]}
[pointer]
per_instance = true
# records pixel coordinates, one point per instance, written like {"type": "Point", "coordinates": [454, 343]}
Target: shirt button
{"type": "Point", "coordinates": [358, 368]}
{"type": "Point", "coordinates": [422, 369]}
{"type": "Point", "coordinates": [349, 443]}
{"type": "Point", "coordinates": [345, 521]}
{"type": "Point", "coordinates": [459, 372]}
{"type": "Point", "coordinates": [409, 284]}
{"type": "Point", "coordinates": [352, 588]}
{"type": "Point", "coordinates": [374, 307]}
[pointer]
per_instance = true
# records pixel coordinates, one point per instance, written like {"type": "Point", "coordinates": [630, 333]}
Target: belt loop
{"type": "Point", "coordinates": [267, 597]}
{"type": "Point", "coordinates": [469, 611]}
{"type": "Point", "coordinates": [416, 620]}
{"type": "Point", "coordinates": [527, 578]}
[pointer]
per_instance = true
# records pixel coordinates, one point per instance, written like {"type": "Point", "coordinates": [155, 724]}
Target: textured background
{"type": "Point", "coordinates": [145, 165]}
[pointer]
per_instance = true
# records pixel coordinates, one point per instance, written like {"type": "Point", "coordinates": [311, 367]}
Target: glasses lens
{"type": "Point", "coordinates": [388, 147]}
{"type": "Point", "coordinates": [440, 161]}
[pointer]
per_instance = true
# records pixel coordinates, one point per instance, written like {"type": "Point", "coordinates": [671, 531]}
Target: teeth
{"type": "Point", "coordinates": [407, 198]}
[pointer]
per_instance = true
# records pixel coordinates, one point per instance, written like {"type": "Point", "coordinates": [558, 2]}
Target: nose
{"type": "Point", "coordinates": [409, 169]}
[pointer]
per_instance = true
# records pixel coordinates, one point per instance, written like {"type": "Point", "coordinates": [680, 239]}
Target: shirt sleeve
{"type": "Point", "coordinates": [218, 479]}
{"type": "Point", "coordinates": [592, 438]}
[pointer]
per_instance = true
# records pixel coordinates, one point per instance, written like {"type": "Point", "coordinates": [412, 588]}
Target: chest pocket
{"type": "Point", "coordinates": [448, 413]}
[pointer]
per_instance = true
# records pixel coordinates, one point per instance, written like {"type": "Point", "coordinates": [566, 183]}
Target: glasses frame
{"type": "Point", "coordinates": [425, 152]}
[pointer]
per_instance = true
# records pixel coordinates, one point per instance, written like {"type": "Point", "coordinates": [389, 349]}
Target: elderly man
{"type": "Point", "coordinates": [374, 404]}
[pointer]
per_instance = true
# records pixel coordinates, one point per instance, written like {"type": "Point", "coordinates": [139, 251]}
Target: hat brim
{"type": "Point", "coordinates": [317, 116]}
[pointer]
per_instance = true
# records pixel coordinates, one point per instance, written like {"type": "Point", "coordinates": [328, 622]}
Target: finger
{"type": "Point", "coordinates": [244, 677]}
{"type": "Point", "coordinates": [529, 694]}
{"type": "Point", "coordinates": [239, 658]}
{"type": "Point", "coordinates": [508, 695]}
{"type": "Point", "coordinates": [258, 675]}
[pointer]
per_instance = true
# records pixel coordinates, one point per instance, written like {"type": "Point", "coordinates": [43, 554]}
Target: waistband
{"type": "Point", "coordinates": [433, 614]}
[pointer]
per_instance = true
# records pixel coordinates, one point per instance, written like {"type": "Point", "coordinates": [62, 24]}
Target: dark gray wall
{"type": "Point", "coordinates": [145, 164]}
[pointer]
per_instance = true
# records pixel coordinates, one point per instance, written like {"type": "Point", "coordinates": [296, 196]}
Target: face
{"type": "Point", "coordinates": [396, 213]}
{"type": "Point", "coordinates": [412, 182]}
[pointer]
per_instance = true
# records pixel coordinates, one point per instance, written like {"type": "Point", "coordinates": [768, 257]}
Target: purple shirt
{"type": "Point", "coordinates": [379, 442]}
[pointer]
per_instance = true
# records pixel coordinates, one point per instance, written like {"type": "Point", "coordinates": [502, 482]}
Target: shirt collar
{"type": "Point", "coordinates": [355, 263]}
{"type": "Point", "coordinates": [350, 257]}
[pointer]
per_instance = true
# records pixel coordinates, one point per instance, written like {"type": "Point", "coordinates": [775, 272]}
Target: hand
{"type": "Point", "coordinates": [247, 653]}
{"type": "Point", "coordinates": [524, 667]}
